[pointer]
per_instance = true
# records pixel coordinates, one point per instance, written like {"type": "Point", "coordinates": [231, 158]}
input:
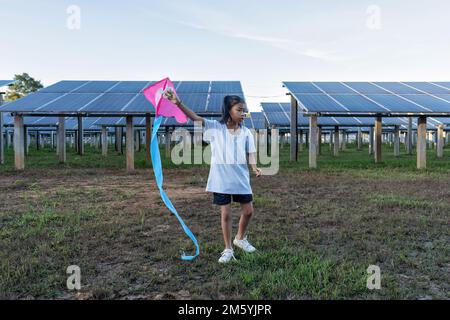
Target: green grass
{"type": "Point", "coordinates": [289, 272]}
{"type": "Point", "coordinates": [386, 200]}
{"type": "Point", "coordinates": [47, 241]}
{"type": "Point", "coordinates": [352, 159]}
{"type": "Point", "coordinates": [348, 159]}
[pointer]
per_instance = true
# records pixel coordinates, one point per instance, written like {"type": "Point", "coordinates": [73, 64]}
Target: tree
{"type": "Point", "coordinates": [23, 85]}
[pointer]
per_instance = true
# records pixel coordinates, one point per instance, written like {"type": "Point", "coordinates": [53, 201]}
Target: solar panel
{"type": "Point", "coordinates": [29, 121]}
{"type": "Point", "coordinates": [111, 121]}
{"type": "Point", "coordinates": [89, 123]}
{"type": "Point", "coordinates": [42, 121]}
{"type": "Point", "coordinates": [397, 87]}
{"type": "Point", "coordinates": [271, 107]}
{"type": "Point", "coordinates": [393, 121]}
{"type": "Point", "coordinates": [277, 119]}
{"type": "Point", "coordinates": [341, 121]}
{"type": "Point", "coordinates": [333, 87]}
{"type": "Point", "coordinates": [432, 103]}
{"type": "Point", "coordinates": [357, 103]}
{"type": "Point", "coordinates": [428, 87]}
{"type": "Point", "coordinates": [302, 121]}
{"type": "Point", "coordinates": [50, 123]}
{"type": "Point", "coordinates": [5, 82]}
{"type": "Point", "coordinates": [286, 107]}
{"type": "Point", "coordinates": [248, 123]}
{"type": "Point", "coordinates": [259, 121]}
{"type": "Point", "coordinates": [7, 119]}
{"type": "Point", "coordinates": [363, 120]}
{"type": "Point", "coordinates": [96, 87]}
{"type": "Point", "coordinates": [365, 87]}
{"type": "Point", "coordinates": [139, 104]}
{"type": "Point", "coordinates": [71, 124]}
{"type": "Point", "coordinates": [130, 86]}
{"type": "Point", "coordinates": [443, 84]}
{"type": "Point", "coordinates": [64, 86]}
{"type": "Point", "coordinates": [192, 86]}
{"type": "Point", "coordinates": [69, 102]}
{"type": "Point", "coordinates": [226, 86]}
{"type": "Point", "coordinates": [197, 102]}
{"type": "Point", "coordinates": [319, 103]}
{"type": "Point", "coordinates": [112, 102]}
{"type": "Point", "coordinates": [215, 102]}
{"type": "Point", "coordinates": [140, 121]}
{"type": "Point", "coordinates": [31, 102]}
{"type": "Point", "coordinates": [395, 103]}
{"type": "Point", "coordinates": [445, 121]}
{"type": "Point", "coordinates": [301, 87]}
{"type": "Point", "coordinates": [446, 97]}
{"type": "Point", "coordinates": [119, 121]}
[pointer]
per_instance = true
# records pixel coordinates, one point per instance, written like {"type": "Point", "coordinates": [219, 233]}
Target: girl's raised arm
{"type": "Point", "coordinates": [173, 97]}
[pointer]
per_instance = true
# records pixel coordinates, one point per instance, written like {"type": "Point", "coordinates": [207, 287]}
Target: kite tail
{"type": "Point", "coordinates": [157, 168]}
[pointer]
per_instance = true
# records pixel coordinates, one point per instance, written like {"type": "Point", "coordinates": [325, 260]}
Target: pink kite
{"type": "Point", "coordinates": [164, 107]}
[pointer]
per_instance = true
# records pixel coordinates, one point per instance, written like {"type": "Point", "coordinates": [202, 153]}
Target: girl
{"type": "Point", "coordinates": [231, 144]}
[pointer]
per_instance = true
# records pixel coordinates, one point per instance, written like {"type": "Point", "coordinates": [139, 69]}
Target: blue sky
{"type": "Point", "coordinates": [261, 43]}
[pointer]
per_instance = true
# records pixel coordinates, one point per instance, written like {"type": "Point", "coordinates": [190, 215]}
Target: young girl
{"type": "Point", "coordinates": [231, 144]}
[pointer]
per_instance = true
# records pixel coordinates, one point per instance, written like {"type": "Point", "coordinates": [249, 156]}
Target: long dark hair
{"type": "Point", "coordinates": [228, 103]}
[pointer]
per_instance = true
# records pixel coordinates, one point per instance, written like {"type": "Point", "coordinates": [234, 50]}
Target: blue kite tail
{"type": "Point", "coordinates": [157, 168]}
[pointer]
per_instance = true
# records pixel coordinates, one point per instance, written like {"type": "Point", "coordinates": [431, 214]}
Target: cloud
{"type": "Point", "coordinates": [209, 23]}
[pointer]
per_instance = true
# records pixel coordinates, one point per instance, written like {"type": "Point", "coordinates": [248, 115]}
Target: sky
{"type": "Point", "coordinates": [261, 43]}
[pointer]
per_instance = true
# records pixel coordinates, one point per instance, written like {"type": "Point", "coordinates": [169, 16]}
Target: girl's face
{"type": "Point", "coordinates": [237, 113]}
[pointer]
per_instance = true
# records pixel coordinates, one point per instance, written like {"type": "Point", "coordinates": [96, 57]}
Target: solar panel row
{"type": "Point", "coordinates": [372, 97]}
{"type": "Point", "coordinates": [120, 97]}
{"type": "Point", "coordinates": [369, 87]}
{"type": "Point", "coordinates": [71, 123]}
{"type": "Point", "coordinates": [77, 86]}
{"type": "Point", "coordinates": [282, 119]}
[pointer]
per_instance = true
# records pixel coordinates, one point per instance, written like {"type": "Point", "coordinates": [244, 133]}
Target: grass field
{"type": "Point", "coordinates": [316, 231]}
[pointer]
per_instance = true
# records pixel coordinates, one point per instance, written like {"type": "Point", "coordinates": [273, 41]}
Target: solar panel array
{"type": "Point", "coordinates": [169, 122]}
{"type": "Point", "coordinates": [256, 121]}
{"type": "Point", "coordinates": [397, 98]}
{"type": "Point", "coordinates": [71, 123]}
{"type": "Point", "coordinates": [278, 114]}
{"type": "Point", "coordinates": [140, 121]}
{"type": "Point", "coordinates": [120, 97]}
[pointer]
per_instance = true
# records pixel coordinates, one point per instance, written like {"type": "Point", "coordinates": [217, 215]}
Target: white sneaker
{"type": "Point", "coordinates": [244, 245]}
{"type": "Point", "coordinates": [227, 255]}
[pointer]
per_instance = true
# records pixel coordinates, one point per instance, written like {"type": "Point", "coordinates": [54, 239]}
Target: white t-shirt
{"type": "Point", "coordinates": [229, 170]}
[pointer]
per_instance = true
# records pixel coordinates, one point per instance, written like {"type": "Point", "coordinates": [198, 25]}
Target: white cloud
{"type": "Point", "coordinates": [209, 21]}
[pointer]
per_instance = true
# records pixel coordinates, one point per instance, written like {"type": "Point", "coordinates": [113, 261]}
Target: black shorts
{"type": "Point", "coordinates": [223, 199]}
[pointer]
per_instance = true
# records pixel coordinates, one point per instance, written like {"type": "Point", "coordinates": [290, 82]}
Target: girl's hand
{"type": "Point", "coordinates": [172, 96]}
{"type": "Point", "coordinates": [257, 171]}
